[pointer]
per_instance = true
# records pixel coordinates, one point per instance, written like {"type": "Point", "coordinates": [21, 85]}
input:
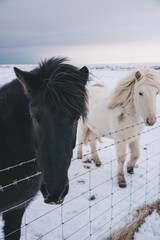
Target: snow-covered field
{"type": "Point", "coordinates": [80, 218]}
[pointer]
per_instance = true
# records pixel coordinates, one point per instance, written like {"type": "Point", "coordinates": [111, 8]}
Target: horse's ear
{"type": "Point", "coordinates": [28, 80]}
{"type": "Point", "coordinates": [138, 75]}
{"type": "Point", "coordinates": [85, 71]}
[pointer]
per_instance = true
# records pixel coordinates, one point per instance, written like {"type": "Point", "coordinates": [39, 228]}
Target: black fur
{"type": "Point", "coordinates": [38, 116]}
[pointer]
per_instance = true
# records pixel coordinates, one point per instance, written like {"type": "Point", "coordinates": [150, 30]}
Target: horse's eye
{"type": "Point", "coordinates": [34, 120]}
{"type": "Point", "coordinates": [76, 121]}
{"type": "Point", "coordinates": [140, 93]}
{"type": "Point", "coordinates": [157, 93]}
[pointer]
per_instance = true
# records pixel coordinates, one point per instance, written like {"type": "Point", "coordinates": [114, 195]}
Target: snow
{"type": "Point", "coordinates": [150, 229]}
{"type": "Point", "coordinates": [78, 217]}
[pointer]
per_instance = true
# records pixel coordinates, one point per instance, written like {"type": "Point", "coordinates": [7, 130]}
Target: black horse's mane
{"type": "Point", "coordinates": [65, 85]}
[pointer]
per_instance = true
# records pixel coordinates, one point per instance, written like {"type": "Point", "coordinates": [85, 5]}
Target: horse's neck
{"type": "Point", "coordinates": [127, 115]}
{"type": "Point", "coordinates": [15, 125]}
{"type": "Point", "coordinates": [13, 91]}
{"type": "Point", "coordinates": [130, 109]}
{"type": "Point", "coordinates": [13, 102]}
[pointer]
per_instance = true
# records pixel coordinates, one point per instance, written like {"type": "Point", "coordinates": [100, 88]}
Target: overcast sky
{"type": "Point", "coordinates": [86, 31]}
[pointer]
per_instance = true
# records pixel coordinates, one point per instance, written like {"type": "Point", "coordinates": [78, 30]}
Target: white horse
{"type": "Point", "coordinates": [132, 102]}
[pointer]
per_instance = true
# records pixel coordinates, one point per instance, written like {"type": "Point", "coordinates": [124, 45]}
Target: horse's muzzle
{"type": "Point", "coordinates": [150, 121]}
{"type": "Point", "coordinates": [54, 198]}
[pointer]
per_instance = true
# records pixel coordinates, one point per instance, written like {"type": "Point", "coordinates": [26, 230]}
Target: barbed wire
{"type": "Point", "coordinates": [15, 182]}
{"type": "Point", "coordinates": [118, 142]}
{"type": "Point", "coordinates": [115, 132]}
{"type": "Point", "coordinates": [92, 188]}
{"type": "Point", "coordinates": [17, 165]}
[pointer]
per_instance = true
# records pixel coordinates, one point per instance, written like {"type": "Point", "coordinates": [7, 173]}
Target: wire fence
{"type": "Point", "coordinates": [95, 205]}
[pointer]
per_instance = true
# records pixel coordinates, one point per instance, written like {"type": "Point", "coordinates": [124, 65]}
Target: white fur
{"type": "Point", "coordinates": [111, 111]}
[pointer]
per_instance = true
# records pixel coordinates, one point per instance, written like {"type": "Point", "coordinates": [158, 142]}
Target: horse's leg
{"type": "Point", "coordinates": [121, 154]}
{"type": "Point", "coordinates": [95, 156]}
{"type": "Point", "coordinates": [85, 134]}
{"type": "Point", "coordinates": [134, 147]}
{"type": "Point", "coordinates": [82, 136]}
{"type": "Point", "coordinates": [12, 224]}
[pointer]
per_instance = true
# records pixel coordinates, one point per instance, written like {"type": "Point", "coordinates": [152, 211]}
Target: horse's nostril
{"type": "Point", "coordinates": [150, 121]}
{"type": "Point", "coordinates": [44, 190]}
{"type": "Point", "coordinates": [65, 191]}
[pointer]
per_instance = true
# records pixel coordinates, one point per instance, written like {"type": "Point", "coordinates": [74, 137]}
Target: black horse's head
{"type": "Point", "coordinates": [57, 98]}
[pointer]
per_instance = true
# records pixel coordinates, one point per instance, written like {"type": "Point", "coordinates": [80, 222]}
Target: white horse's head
{"type": "Point", "coordinates": [145, 91]}
{"type": "Point", "coordinates": [137, 92]}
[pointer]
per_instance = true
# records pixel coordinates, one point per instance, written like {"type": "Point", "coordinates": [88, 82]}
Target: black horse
{"type": "Point", "coordinates": [38, 119]}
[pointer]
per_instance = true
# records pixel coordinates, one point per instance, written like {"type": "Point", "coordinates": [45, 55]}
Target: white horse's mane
{"type": "Point", "coordinates": [123, 94]}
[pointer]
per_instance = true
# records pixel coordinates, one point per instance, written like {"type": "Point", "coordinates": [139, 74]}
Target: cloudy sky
{"type": "Point", "coordinates": [86, 31]}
